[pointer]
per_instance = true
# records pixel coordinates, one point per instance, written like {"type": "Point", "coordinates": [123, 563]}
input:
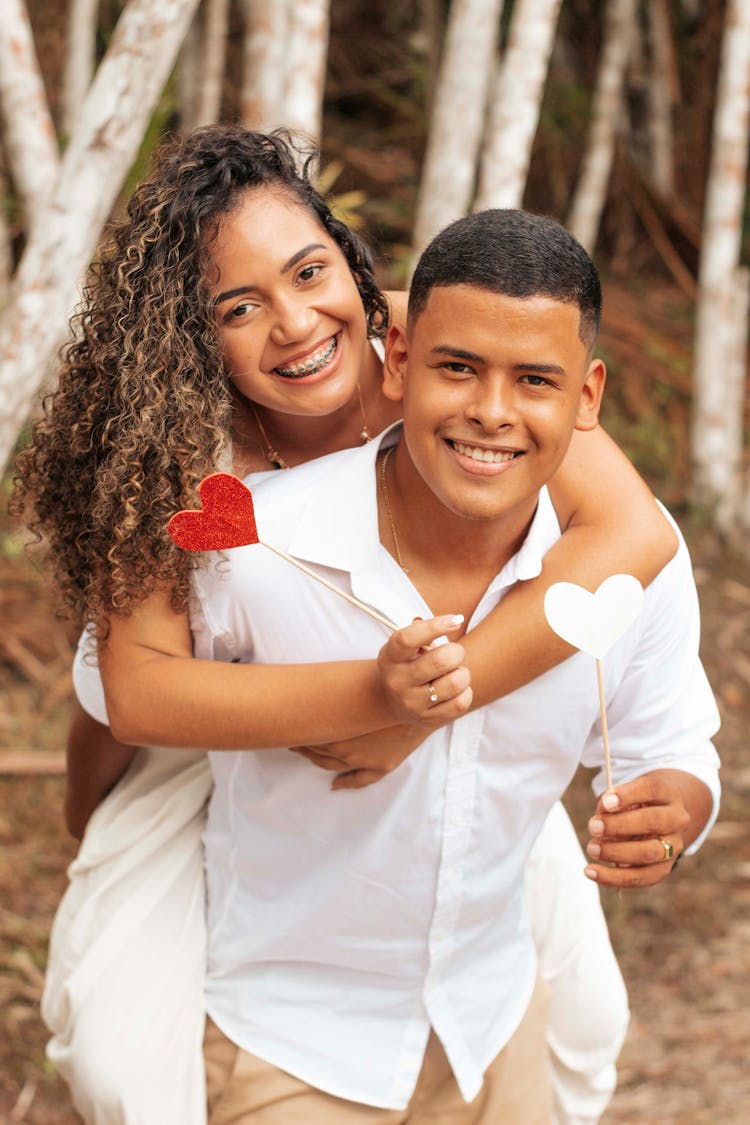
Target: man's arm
{"type": "Point", "coordinates": [662, 717]}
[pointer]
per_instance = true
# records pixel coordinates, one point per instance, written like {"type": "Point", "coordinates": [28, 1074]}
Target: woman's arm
{"type": "Point", "coordinates": [95, 763]}
{"type": "Point", "coordinates": [611, 525]}
{"type": "Point", "coordinates": [157, 693]}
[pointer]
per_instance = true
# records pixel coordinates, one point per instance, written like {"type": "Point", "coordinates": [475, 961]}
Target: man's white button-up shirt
{"type": "Point", "coordinates": [344, 925]}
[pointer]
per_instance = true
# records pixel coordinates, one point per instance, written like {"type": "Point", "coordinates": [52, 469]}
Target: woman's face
{"type": "Point", "coordinates": [292, 322]}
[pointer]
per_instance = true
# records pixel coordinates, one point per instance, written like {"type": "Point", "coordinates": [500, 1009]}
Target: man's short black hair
{"type": "Point", "coordinates": [514, 253]}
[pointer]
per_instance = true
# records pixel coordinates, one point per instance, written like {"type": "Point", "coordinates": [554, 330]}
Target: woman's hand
{"type": "Point", "coordinates": [422, 675]}
{"type": "Point", "coordinates": [362, 761]}
{"type": "Point", "coordinates": [425, 684]}
{"type": "Point", "coordinates": [641, 828]}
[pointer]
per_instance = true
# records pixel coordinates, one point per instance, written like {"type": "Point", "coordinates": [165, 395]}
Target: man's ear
{"type": "Point", "coordinates": [394, 367]}
{"type": "Point", "coordinates": [591, 396]}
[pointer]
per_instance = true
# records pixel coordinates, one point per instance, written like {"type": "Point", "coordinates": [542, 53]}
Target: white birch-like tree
{"type": "Point", "coordinates": [660, 95]}
{"type": "Point", "coordinates": [28, 132]}
{"type": "Point", "coordinates": [215, 26]}
{"type": "Point", "coordinates": [607, 110]}
{"type": "Point", "coordinates": [305, 67]}
{"type": "Point", "coordinates": [61, 242]}
{"type": "Point", "coordinates": [516, 102]}
{"type": "Point", "coordinates": [716, 421]}
{"type": "Point", "coordinates": [80, 59]}
{"type": "Point", "coordinates": [6, 254]}
{"type": "Point", "coordinates": [188, 74]}
{"type": "Point", "coordinates": [457, 120]}
{"type": "Point", "coordinates": [264, 62]}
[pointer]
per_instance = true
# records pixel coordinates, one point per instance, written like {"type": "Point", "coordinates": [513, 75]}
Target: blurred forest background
{"type": "Point", "coordinates": [371, 80]}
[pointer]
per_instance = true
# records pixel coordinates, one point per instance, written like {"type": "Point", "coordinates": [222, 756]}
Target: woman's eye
{"type": "Point", "coordinates": [307, 273]}
{"type": "Point", "coordinates": [239, 311]}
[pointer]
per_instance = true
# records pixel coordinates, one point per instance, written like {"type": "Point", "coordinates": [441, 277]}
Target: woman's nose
{"type": "Point", "coordinates": [293, 320]}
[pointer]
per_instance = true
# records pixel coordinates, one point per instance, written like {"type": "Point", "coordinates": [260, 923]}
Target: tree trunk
{"type": "Point", "coordinates": [80, 59]}
{"type": "Point", "coordinates": [188, 75]}
{"type": "Point", "coordinates": [449, 170]}
{"type": "Point", "coordinates": [661, 77]}
{"type": "Point", "coordinates": [715, 446]}
{"type": "Point", "coordinates": [264, 66]}
{"type": "Point", "coordinates": [307, 53]}
{"type": "Point", "coordinates": [112, 123]}
{"type": "Point", "coordinates": [516, 101]}
{"type": "Point", "coordinates": [28, 132]}
{"type": "Point", "coordinates": [591, 193]}
{"type": "Point", "coordinates": [215, 25]}
{"type": "Point", "coordinates": [6, 250]}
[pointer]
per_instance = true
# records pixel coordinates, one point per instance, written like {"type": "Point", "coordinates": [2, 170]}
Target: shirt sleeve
{"type": "Point", "coordinates": [87, 680]}
{"type": "Point", "coordinates": [661, 712]}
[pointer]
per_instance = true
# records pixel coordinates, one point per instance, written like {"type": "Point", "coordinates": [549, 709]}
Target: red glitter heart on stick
{"type": "Point", "coordinates": [226, 520]}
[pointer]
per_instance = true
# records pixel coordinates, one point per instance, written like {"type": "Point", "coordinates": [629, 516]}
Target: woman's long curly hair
{"type": "Point", "coordinates": [143, 409]}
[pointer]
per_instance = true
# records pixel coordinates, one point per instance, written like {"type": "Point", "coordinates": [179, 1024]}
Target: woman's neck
{"type": "Point", "coordinates": [297, 438]}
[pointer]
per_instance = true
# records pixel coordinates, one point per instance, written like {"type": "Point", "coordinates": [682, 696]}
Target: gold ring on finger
{"type": "Point", "coordinates": [668, 849]}
{"type": "Point", "coordinates": [432, 694]}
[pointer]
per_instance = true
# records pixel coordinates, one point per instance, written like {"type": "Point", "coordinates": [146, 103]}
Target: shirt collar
{"type": "Point", "coordinates": [339, 525]}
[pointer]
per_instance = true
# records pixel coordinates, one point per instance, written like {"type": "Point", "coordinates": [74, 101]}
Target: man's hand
{"type": "Point", "coordinates": [641, 828]}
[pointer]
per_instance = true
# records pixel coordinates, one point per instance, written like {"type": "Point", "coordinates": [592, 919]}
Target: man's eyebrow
{"type": "Point", "coordinates": [473, 357]}
{"type": "Point", "coordinates": [287, 266]}
{"type": "Point", "coordinates": [457, 353]}
{"type": "Point", "coordinates": [542, 368]}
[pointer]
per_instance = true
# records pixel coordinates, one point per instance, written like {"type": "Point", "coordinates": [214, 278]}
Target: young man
{"type": "Point", "coordinates": [369, 955]}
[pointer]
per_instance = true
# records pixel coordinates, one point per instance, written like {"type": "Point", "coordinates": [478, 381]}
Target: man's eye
{"type": "Point", "coordinates": [458, 368]}
{"type": "Point", "coordinates": [535, 380]}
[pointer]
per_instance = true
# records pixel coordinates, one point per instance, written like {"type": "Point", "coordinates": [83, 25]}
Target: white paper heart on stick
{"type": "Point", "coordinates": [593, 622]}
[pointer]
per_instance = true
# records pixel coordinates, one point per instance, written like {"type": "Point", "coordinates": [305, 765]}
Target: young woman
{"type": "Point", "coordinates": [228, 324]}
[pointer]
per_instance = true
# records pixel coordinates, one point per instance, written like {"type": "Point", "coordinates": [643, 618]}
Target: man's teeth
{"type": "Point", "coordinates": [491, 456]}
{"type": "Point", "coordinates": [312, 364]}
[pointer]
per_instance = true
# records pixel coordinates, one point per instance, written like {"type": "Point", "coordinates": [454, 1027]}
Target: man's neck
{"type": "Point", "coordinates": [450, 559]}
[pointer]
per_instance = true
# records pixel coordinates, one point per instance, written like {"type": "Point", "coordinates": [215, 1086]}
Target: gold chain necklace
{"type": "Point", "coordinates": [387, 503]}
{"type": "Point", "coordinates": [272, 454]}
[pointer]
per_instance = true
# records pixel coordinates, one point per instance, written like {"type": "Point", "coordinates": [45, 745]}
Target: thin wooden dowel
{"type": "Point", "coordinates": [603, 713]}
{"type": "Point", "coordinates": [329, 586]}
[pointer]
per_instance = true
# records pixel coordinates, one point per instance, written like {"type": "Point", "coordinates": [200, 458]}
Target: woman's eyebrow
{"type": "Point", "coordinates": [300, 255]}
{"type": "Point", "coordinates": [233, 293]}
{"type": "Point", "coordinates": [284, 269]}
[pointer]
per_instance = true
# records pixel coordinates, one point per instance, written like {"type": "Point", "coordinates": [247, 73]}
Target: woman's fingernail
{"type": "Point", "coordinates": [611, 801]}
{"type": "Point", "coordinates": [454, 620]}
{"type": "Point", "coordinates": [593, 849]}
{"type": "Point", "coordinates": [596, 827]}
{"type": "Point", "coordinates": [591, 873]}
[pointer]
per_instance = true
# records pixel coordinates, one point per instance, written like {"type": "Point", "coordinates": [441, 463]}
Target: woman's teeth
{"type": "Point", "coordinates": [312, 364]}
{"type": "Point", "coordinates": [491, 456]}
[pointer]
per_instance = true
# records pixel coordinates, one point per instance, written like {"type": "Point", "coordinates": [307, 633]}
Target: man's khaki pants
{"type": "Point", "coordinates": [516, 1089]}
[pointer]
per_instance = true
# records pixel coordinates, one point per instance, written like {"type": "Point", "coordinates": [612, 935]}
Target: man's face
{"type": "Point", "coordinates": [492, 388]}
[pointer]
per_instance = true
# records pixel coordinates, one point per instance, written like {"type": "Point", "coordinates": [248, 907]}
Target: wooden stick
{"type": "Point", "coordinates": [603, 713]}
{"type": "Point", "coordinates": [329, 586]}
